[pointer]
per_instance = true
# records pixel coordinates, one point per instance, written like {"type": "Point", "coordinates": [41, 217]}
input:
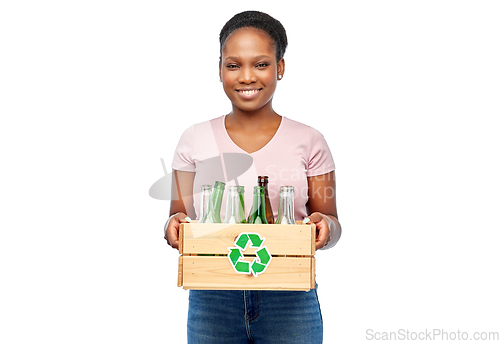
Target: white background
{"type": "Point", "coordinates": [94, 93]}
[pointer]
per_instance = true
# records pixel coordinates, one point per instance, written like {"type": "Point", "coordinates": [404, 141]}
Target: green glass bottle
{"type": "Point", "coordinates": [258, 212]}
{"type": "Point", "coordinates": [213, 213]}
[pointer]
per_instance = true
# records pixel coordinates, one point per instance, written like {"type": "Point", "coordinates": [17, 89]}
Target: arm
{"type": "Point", "coordinates": [181, 205]}
{"type": "Point", "coordinates": [182, 193]}
{"type": "Point", "coordinates": [322, 208]}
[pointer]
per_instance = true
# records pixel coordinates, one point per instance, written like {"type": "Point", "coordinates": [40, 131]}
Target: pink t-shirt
{"type": "Point", "coordinates": [295, 152]}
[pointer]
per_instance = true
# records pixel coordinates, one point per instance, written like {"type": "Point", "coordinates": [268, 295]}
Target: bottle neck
{"type": "Point", "coordinates": [263, 181]}
{"type": "Point", "coordinates": [206, 194]}
{"type": "Point", "coordinates": [286, 211]}
{"type": "Point", "coordinates": [213, 213]}
{"type": "Point", "coordinates": [258, 212]}
{"type": "Point", "coordinates": [258, 196]}
{"type": "Point", "coordinates": [233, 206]}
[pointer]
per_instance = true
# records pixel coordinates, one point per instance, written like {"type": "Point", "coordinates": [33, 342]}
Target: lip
{"type": "Point", "coordinates": [248, 93]}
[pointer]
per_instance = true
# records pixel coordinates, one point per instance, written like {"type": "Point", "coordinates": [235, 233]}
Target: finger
{"type": "Point", "coordinates": [175, 244]}
{"type": "Point", "coordinates": [173, 238]}
{"type": "Point", "coordinates": [185, 219]}
{"type": "Point", "coordinates": [181, 218]}
{"type": "Point", "coordinates": [315, 217]}
{"type": "Point", "coordinates": [323, 233]}
{"type": "Point", "coordinates": [172, 230]}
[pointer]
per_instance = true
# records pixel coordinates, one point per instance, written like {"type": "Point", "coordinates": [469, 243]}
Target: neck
{"type": "Point", "coordinates": [254, 118]}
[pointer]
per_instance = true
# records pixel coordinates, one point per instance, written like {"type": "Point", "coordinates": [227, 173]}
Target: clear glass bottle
{"type": "Point", "coordinates": [241, 193]}
{"type": "Point", "coordinates": [233, 206]}
{"type": "Point", "coordinates": [206, 194]}
{"type": "Point", "coordinates": [286, 208]}
{"type": "Point", "coordinates": [258, 212]}
{"type": "Point", "coordinates": [264, 181]}
{"type": "Point", "coordinates": [213, 212]}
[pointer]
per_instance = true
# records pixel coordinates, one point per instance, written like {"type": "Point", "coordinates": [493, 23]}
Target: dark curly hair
{"type": "Point", "coordinates": [258, 20]}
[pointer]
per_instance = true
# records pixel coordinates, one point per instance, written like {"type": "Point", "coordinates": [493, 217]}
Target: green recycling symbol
{"type": "Point", "coordinates": [262, 256]}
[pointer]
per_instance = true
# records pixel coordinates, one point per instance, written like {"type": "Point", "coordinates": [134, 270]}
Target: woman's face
{"type": "Point", "coordinates": [248, 69]}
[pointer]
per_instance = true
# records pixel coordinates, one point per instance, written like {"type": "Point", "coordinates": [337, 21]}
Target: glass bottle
{"type": "Point", "coordinates": [213, 212]}
{"type": "Point", "coordinates": [241, 194]}
{"type": "Point", "coordinates": [233, 206]}
{"type": "Point", "coordinates": [286, 208]}
{"type": "Point", "coordinates": [258, 212]}
{"type": "Point", "coordinates": [264, 181]}
{"type": "Point", "coordinates": [206, 194]}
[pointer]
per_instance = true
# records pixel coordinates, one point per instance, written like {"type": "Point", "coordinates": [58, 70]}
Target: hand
{"type": "Point", "coordinates": [172, 228]}
{"type": "Point", "coordinates": [323, 234]}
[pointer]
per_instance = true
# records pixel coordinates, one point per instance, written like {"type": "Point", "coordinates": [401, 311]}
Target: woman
{"type": "Point", "coordinates": [252, 45]}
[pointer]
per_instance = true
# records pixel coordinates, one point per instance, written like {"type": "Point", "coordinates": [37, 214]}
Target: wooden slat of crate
{"type": "Point", "coordinates": [179, 273]}
{"type": "Point", "coordinates": [283, 273]}
{"type": "Point", "coordinates": [202, 238]}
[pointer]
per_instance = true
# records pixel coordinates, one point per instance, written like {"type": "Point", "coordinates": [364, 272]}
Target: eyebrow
{"type": "Point", "coordinates": [256, 57]}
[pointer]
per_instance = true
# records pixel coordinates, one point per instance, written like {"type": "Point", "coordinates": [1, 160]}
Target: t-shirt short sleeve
{"type": "Point", "coordinates": [320, 160]}
{"type": "Point", "coordinates": [183, 156]}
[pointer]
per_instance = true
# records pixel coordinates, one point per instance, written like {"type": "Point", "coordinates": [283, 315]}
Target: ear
{"type": "Point", "coordinates": [281, 67]}
{"type": "Point", "coordinates": [220, 70]}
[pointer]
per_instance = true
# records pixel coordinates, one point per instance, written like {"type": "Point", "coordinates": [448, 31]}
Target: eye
{"type": "Point", "coordinates": [232, 66]}
{"type": "Point", "coordinates": [262, 65]}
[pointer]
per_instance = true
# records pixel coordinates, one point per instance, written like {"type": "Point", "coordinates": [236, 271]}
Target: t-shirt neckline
{"type": "Point", "coordinates": [223, 123]}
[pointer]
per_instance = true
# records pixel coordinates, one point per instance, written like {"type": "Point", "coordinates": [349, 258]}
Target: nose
{"type": "Point", "coordinates": [247, 76]}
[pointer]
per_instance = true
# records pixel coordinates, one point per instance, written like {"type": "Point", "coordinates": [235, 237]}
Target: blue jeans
{"type": "Point", "coordinates": [254, 317]}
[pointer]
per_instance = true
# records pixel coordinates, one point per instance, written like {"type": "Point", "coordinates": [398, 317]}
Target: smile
{"type": "Point", "coordinates": [249, 92]}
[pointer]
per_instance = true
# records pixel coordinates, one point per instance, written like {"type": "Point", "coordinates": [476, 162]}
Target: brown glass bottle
{"type": "Point", "coordinates": [264, 181]}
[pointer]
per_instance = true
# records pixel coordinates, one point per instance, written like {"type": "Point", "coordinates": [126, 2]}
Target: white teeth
{"type": "Point", "coordinates": [249, 91]}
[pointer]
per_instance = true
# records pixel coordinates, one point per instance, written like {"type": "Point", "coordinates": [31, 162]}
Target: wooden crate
{"type": "Point", "coordinates": [209, 252]}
